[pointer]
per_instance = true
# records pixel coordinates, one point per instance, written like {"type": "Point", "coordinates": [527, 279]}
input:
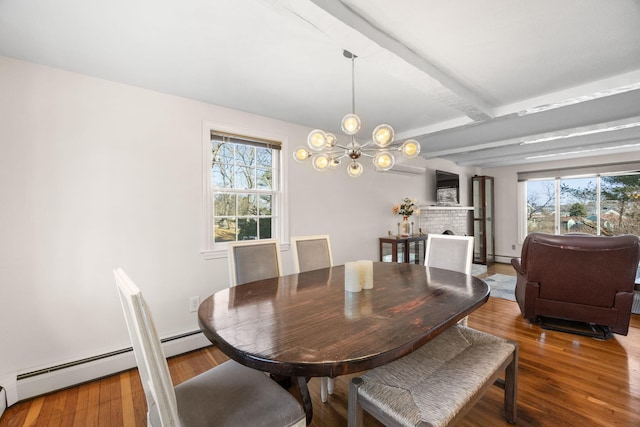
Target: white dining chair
{"type": "Point", "coordinates": [254, 260]}
{"type": "Point", "coordinates": [450, 252]}
{"type": "Point", "coordinates": [312, 253]}
{"type": "Point", "coordinates": [229, 394]}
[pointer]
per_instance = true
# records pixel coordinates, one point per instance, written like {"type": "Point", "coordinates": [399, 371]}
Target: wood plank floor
{"type": "Point", "coordinates": [565, 380]}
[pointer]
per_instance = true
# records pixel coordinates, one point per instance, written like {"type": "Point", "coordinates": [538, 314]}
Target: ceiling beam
{"type": "Point", "coordinates": [531, 141]}
{"type": "Point", "coordinates": [587, 116]}
{"type": "Point", "coordinates": [354, 32]}
{"type": "Point", "coordinates": [560, 153]}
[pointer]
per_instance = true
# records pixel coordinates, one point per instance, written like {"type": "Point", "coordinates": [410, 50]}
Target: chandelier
{"type": "Point", "coordinates": [325, 152]}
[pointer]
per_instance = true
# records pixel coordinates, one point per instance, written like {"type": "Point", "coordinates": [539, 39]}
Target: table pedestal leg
{"type": "Point", "coordinates": [285, 382]}
{"type": "Point", "coordinates": [301, 383]}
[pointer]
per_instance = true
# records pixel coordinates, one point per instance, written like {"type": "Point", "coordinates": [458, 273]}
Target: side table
{"type": "Point", "coordinates": [409, 249]}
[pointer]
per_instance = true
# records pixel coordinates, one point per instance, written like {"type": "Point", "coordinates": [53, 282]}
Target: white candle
{"type": "Point", "coordinates": [352, 277]}
{"type": "Point", "coordinates": [365, 268]}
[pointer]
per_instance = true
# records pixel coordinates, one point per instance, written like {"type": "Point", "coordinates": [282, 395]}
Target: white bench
{"type": "Point", "coordinates": [439, 382]}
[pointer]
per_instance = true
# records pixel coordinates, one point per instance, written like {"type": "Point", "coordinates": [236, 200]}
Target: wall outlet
{"type": "Point", "coordinates": [513, 247]}
{"type": "Point", "coordinates": [194, 303]}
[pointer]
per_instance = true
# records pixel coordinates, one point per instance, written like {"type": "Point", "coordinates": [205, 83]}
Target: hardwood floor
{"type": "Point", "coordinates": [564, 380]}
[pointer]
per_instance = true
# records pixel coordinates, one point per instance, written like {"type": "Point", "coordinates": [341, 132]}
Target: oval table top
{"type": "Point", "coordinates": [306, 324]}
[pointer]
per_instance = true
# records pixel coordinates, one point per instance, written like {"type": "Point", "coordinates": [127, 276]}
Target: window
{"type": "Point", "coordinates": [242, 189]}
{"type": "Point", "coordinates": [599, 204]}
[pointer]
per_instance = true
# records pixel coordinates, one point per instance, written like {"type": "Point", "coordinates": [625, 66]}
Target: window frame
{"type": "Point", "coordinates": [211, 249]}
{"type": "Point", "coordinates": [597, 172]}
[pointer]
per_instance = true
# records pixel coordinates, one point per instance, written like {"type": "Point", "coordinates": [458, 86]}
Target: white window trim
{"type": "Point", "coordinates": [557, 176]}
{"type": "Point", "coordinates": [212, 250]}
{"type": "Point", "coordinates": [521, 193]}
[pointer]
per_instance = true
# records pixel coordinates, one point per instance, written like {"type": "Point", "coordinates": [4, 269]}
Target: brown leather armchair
{"type": "Point", "coordinates": [578, 277]}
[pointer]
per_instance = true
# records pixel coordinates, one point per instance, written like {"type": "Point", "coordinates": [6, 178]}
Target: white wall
{"type": "Point", "coordinates": [506, 208]}
{"type": "Point", "coordinates": [97, 175]}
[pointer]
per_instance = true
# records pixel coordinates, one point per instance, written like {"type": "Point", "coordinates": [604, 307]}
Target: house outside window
{"type": "Point", "coordinates": [243, 194]}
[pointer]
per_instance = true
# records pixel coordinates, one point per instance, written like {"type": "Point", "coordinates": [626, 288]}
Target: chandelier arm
{"type": "Point", "coordinates": [394, 146]}
{"type": "Point", "coordinates": [378, 149]}
{"type": "Point", "coordinates": [367, 143]}
{"type": "Point", "coordinates": [332, 150]}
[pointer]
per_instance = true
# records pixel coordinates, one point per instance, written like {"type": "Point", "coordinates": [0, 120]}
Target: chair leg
{"type": "Point", "coordinates": [323, 389]}
{"type": "Point", "coordinates": [354, 416]}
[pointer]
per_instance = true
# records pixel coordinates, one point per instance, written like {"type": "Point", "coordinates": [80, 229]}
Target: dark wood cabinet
{"type": "Point", "coordinates": [403, 249]}
{"type": "Point", "coordinates": [483, 230]}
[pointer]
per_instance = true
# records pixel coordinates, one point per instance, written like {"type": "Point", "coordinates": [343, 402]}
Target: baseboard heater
{"type": "Point", "coordinates": [504, 259]}
{"type": "Point", "coordinates": [45, 380]}
{"type": "Point", "coordinates": [3, 400]}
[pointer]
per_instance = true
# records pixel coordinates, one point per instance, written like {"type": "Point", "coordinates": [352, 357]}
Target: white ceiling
{"type": "Point", "coordinates": [470, 79]}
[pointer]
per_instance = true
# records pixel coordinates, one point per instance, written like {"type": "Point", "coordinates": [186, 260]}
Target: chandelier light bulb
{"type": "Point", "coordinates": [321, 162]}
{"type": "Point", "coordinates": [354, 169]}
{"type": "Point", "coordinates": [383, 135]}
{"type": "Point", "coordinates": [301, 154]}
{"type": "Point", "coordinates": [410, 148]}
{"type": "Point", "coordinates": [383, 161]}
{"type": "Point", "coordinates": [331, 140]}
{"type": "Point", "coordinates": [351, 124]}
{"type": "Point", "coordinates": [317, 140]}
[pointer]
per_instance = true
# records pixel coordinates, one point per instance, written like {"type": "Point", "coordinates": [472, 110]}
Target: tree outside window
{"type": "Point", "coordinates": [620, 201]}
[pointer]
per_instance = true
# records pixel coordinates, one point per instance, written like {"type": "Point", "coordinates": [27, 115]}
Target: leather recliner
{"type": "Point", "coordinates": [577, 277]}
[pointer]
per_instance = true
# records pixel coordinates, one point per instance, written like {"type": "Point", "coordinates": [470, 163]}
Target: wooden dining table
{"type": "Point", "coordinates": [306, 325]}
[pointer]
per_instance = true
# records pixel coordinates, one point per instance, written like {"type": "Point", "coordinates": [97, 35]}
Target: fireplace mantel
{"type": "Point", "coordinates": [450, 208]}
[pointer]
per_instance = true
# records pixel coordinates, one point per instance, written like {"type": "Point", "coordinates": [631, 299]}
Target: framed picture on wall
{"type": "Point", "coordinates": [447, 196]}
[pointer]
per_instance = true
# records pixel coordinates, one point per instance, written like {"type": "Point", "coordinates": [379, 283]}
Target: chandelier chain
{"type": "Point", "coordinates": [353, 84]}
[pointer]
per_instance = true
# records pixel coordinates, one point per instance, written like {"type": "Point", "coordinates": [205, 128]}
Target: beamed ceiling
{"type": "Point", "coordinates": [479, 82]}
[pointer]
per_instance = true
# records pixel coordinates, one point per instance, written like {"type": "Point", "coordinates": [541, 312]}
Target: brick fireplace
{"type": "Point", "coordinates": [437, 219]}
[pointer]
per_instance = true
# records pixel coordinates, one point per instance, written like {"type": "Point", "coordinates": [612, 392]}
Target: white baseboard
{"type": "Point", "coordinates": [55, 379]}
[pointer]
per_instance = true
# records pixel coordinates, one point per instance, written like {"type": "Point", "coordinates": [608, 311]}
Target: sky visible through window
{"type": "Point", "coordinates": [536, 190]}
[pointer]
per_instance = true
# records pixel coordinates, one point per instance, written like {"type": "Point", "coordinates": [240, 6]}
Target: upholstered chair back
{"type": "Point", "coordinates": [311, 252]}
{"type": "Point", "coordinates": [254, 260]}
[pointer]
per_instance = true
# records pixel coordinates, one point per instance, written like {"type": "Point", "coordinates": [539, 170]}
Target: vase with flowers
{"type": "Point", "coordinates": [406, 208]}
